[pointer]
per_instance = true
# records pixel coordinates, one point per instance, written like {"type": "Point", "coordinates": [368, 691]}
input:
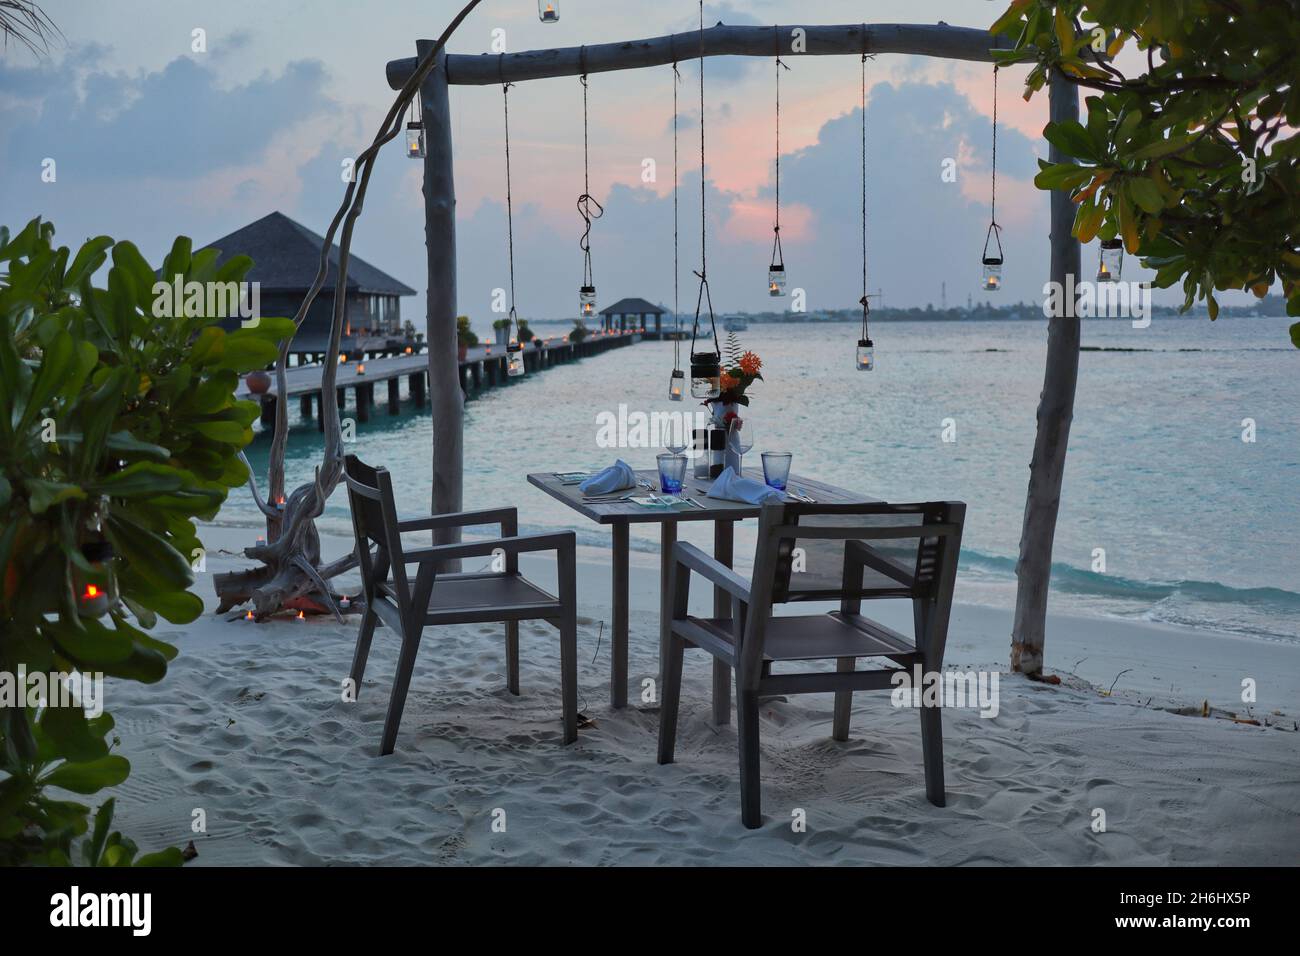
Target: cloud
{"type": "Point", "coordinates": [172, 124]}
{"type": "Point", "coordinates": [921, 231]}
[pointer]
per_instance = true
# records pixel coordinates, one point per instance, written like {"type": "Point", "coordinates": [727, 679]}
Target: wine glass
{"type": "Point", "coordinates": [740, 438]}
{"type": "Point", "coordinates": [676, 436]}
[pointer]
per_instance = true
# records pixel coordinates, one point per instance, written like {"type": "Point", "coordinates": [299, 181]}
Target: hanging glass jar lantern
{"type": "Point", "coordinates": [706, 375]}
{"type": "Point", "coordinates": [548, 11]}
{"type": "Point", "coordinates": [415, 140]}
{"type": "Point", "coordinates": [514, 359]}
{"type": "Point", "coordinates": [93, 589]}
{"type": "Point", "coordinates": [1111, 261]}
{"type": "Point", "coordinates": [776, 279]}
{"type": "Point", "coordinates": [677, 386]}
{"type": "Point", "coordinates": [587, 301]}
{"type": "Point", "coordinates": [992, 280]}
{"type": "Point", "coordinates": [866, 359]}
{"type": "Point", "coordinates": [992, 273]}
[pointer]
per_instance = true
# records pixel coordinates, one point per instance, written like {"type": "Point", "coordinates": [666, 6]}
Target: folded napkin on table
{"type": "Point", "coordinates": [732, 487]}
{"type": "Point", "coordinates": [614, 478]}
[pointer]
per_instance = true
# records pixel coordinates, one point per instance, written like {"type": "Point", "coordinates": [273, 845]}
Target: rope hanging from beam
{"type": "Point", "coordinates": [510, 215]}
{"type": "Point", "coordinates": [778, 254]}
{"type": "Point", "coordinates": [704, 297]}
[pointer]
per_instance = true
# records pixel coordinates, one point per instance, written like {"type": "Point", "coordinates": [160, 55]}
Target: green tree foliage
{"type": "Point", "coordinates": [118, 428]}
{"type": "Point", "coordinates": [1193, 162]}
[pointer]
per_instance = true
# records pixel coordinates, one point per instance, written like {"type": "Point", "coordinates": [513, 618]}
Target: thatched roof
{"type": "Point", "coordinates": [632, 307]}
{"type": "Point", "coordinates": [286, 255]}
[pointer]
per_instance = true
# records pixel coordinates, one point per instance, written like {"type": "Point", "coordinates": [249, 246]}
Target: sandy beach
{"type": "Point", "coordinates": [250, 727]}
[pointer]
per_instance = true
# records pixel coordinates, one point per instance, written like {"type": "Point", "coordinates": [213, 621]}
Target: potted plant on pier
{"type": "Point", "coordinates": [501, 328]}
{"type": "Point", "coordinates": [579, 332]}
{"type": "Point", "coordinates": [465, 337]}
{"type": "Point", "coordinates": [526, 334]}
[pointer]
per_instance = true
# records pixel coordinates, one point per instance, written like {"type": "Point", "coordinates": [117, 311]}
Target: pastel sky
{"type": "Point", "coordinates": [152, 139]}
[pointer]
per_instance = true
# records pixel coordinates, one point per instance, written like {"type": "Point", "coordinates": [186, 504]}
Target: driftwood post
{"type": "Point", "coordinates": [445, 394]}
{"type": "Point", "coordinates": [1055, 412]}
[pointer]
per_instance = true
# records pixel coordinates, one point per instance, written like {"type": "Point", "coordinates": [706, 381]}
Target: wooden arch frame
{"type": "Point", "coordinates": [1056, 402]}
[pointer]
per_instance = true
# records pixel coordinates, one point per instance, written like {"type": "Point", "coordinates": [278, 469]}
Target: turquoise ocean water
{"type": "Point", "coordinates": [1198, 526]}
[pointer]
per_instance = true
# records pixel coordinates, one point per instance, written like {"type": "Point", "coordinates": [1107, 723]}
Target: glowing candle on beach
{"type": "Point", "coordinates": [344, 603]}
{"type": "Point", "coordinates": [249, 616]}
{"type": "Point", "coordinates": [302, 616]}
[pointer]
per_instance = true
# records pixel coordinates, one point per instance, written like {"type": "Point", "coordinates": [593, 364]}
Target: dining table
{"type": "Point", "coordinates": [620, 514]}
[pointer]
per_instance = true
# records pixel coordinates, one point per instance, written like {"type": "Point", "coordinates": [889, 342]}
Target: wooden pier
{"type": "Point", "coordinates": [484, 366]}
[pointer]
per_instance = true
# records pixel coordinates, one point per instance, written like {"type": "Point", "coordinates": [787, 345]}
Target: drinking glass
{"type": "Point", "coordinates": [672, 469]}
{"type": "Point", "coordinates": [776, 468]}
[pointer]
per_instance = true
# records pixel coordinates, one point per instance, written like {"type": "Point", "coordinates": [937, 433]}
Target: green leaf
{"type": "Point", "coordinates": [1072, 139]}
{"type": "Point", "coordinates": [245, 352]}
{"type": "Point", "coordinates": [90, 776]}
{"type": "Point", "coordinates": [127, 445]}
{"type": "Point", "coordinates": [168, 857]}
{"type": "Point", "coordinates": [94, 847]}
{"type": "Point", "coordinates": [68, 729]}
{"type": "Point", "coordinates": [232, 433]}
{"type": "Point", "coordinates": [149, 554]}
{"type": "Point", "coordinates": [1163, 147]}
{"type": "Point", "coordinates": [1295, 334]}
{"type": "Point", "coordinates": [140, 480]}
{"type": "Point", "coordinates": [1146, 195]}
{"type": "Point", "coordinates": [43, 494]}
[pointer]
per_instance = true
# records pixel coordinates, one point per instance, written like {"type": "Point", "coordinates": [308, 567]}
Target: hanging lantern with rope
{"type": "Point", "coordinates": [776, 271]}
{"type": "Point", "coordinates": [677, 381]}
{"type": "Point", "coordinates": [706, 367]}
{"type": "Point", "coordinates": [992, 279]}
{"type": "Point", "coordinates": [865, 357]}
{"type": "Point", "coordinates": [415, 132]}
{"type": "Point", "coordinates": [93, 584]}
{"type": "Point", "coordinates": [514, 351]}
{"type": "Point", "coordinates": [587, 292]}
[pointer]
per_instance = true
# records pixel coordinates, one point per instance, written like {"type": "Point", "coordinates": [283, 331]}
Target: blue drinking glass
{"type": "Point", "coordinates": [672, 469]}
{"type": "Point", "coordinates": [776, 468]}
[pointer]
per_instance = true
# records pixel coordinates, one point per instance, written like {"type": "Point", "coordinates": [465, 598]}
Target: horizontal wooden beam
{"type": "Point", "coordinates": [939, 40]}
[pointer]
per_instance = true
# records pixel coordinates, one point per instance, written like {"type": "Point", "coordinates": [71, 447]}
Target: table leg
{"type": "Point", "coordinates": [618, 639]}
{"type": "Point", "coordinates": [723, 540]}
{"type": "Point", "coordinates": [668, 537]}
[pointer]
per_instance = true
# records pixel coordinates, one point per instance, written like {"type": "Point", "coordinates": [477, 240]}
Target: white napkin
{"type": "Point", "coordinates": [732, 487]}
{"type": "Point", "coordinates": [614, 478]}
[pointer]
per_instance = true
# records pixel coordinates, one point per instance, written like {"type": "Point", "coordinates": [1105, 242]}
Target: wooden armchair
{"type": "Point", "coordinates": [817, 552]}
{"type": "Point", "coordinates": [436, 597]}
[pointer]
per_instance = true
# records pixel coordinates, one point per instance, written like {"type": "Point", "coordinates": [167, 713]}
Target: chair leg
{"type": "Point", "coordinates": [367, 631]}
{"type": "Point", "coordinates": [672, 694]}
{"type": "Point", "coordinates": [405, 664]}
{"type": "Point", "coordinates": [843, 702]}
{"type": "Point", "coordinates": [932, 754]}
{"type": "Point", "coordinates": [751, 813]}
{"type": "Point", "coordinates": [512, 657]}
{"type": "Point", "coordinates": [569, 675]}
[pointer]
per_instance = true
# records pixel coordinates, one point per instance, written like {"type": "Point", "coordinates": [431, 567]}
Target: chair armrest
{"type": "Point", "coordinates": [858, 551]}
{"type": "Point", "coordinates": [564, 542]}
{"type": "Point", "coordinates": [688, 555]}
{"type": "Point", "coordinates": [459, 519]}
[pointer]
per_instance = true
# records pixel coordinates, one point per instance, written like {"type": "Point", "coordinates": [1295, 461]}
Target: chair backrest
{"type": "Point", "coordinates": [823, 552]}
{"type": "Point", "coordinates": [374, 520]}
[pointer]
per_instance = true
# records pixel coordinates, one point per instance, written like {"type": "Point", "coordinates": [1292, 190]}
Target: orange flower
{"type": "Point", "coordinates": [750, 364]}
{"type": "Point", "coordinates": [729, 382]}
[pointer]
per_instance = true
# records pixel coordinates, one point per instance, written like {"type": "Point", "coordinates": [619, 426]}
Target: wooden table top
{"type": "Point", "coordinates": [715, 509]}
